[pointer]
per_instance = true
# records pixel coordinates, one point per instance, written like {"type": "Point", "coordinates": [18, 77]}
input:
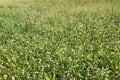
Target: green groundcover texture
{"type": "Point", "coordinates": [59, 39]}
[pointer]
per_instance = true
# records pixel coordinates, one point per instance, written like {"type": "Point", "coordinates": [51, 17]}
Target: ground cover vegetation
{"type": "Point", "coordinates": [59, 39]}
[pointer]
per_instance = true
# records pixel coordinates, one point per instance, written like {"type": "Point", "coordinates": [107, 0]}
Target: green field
{"type": "Point", "coordinates": [59, 39]}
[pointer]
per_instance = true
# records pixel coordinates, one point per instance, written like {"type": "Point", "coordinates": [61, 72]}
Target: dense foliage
{"type": "Point", "coordinates": [59, 40]}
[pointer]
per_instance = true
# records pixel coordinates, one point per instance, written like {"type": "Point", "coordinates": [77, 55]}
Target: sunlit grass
{"type": "Point", "coordinates": [59, 40]}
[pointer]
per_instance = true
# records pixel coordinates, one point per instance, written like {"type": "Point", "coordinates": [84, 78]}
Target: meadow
{"type": "Point", "coordinates": [59, 39]}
